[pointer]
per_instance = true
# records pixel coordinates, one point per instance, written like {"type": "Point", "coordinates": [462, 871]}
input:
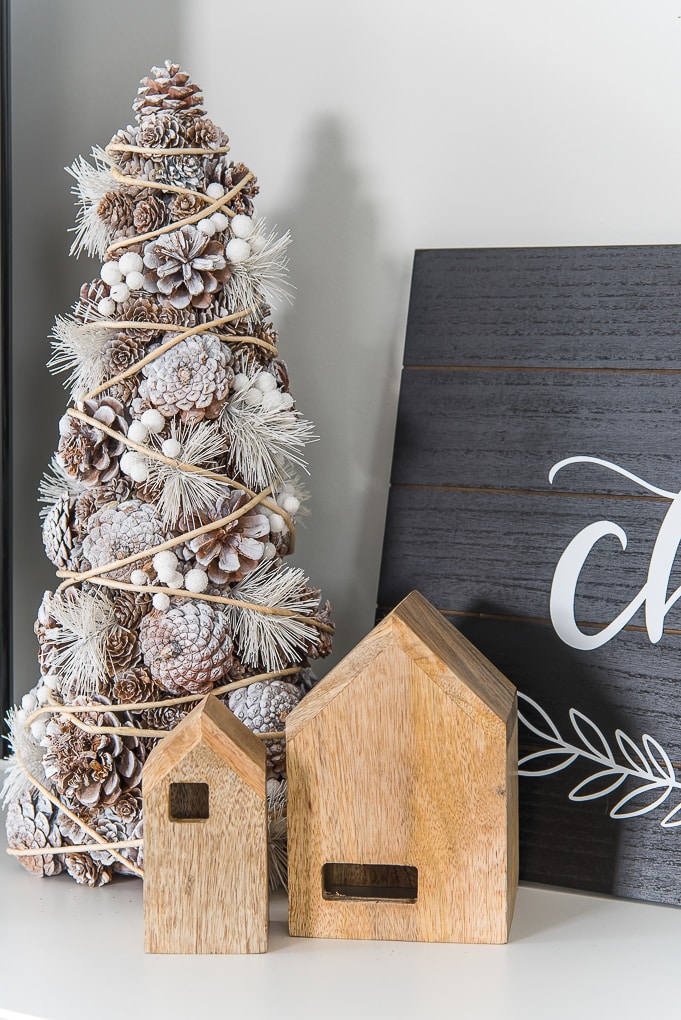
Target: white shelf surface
{"type": "Point", "coordinates": [67, 951]}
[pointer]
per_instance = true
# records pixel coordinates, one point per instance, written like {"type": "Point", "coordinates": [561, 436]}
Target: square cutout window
{"type": "Point", "coordinates": [188, 802]}
{"type": "Point", "coordinates": [370, 882]}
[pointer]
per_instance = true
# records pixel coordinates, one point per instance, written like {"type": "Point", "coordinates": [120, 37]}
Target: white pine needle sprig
{"type": "Point", "coordinates": [55, 484]}
{"type": "Point", "coordinates": [648, 772]}
{"type": "Point", "coordinates": [26, 748]}
{"type": "Point", "coordinates": [266, 638]}
{"type": "Point", "coordinates": [93, 182]}
{"type": "Point", "coordinates": [78, 348]}
{"type": "Point", "coordinates": [184, 492]}
{"type": "Point", "coordinates": [84, 620]}
{"type": "Point", "coordinates": [263, 276]}
{"type": "Point", "coordinates": [265, 442]}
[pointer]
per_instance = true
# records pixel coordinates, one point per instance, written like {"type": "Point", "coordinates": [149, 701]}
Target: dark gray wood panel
{"type": "Point", "coordinates": [460, 548]}
{"type": "Point", "coordinates": [507, 429]}
{"type": "Point", "coordinates": [614, 307]}
{"type": "Point", "coordinates": [516, 360]}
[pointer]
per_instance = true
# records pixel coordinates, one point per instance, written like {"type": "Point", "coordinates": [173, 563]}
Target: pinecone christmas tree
{"type": "Point", "coordinates": [171, 499]}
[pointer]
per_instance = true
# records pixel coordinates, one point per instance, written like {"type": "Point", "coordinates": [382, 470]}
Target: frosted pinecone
{"type": "Point", "coordinates": [186, 266]}
{"type": "Point", "coordinates": [220, 171]}
{"type": "Point", "coordinates": [227, 554]}
{"type": "Point", "coordinates": [161, 131]}
{"type": "Point", "coordinates": [147, 308]}
{"type": "Point", "coordinates": [168, 88]}
{"type": "Point", "coordinates": [91, 769]}
{"type": "Point", "coordinates": [149, 213]}
{"type": "Point", "coordinates": [164, 718]}
{"type": "Point", "coordinates": [263, 707]}
{"type": "Point", "coordinates": [116, 208]}
{"type": "Point", "coordinates": [134, 685]}
{"type": "Point", "coordinates": [85, 451]}
{"type": "Point", "coordinates": [182, 171]}
{"type": "Point", "coordinates": [132, 164]}
{"type": "Point", "coordinates": [117, 532]}
{"type": "Point", "coordinates": [188, 648]}
{"type": "Point", "coordinates": [202, 133]}
{"type": "Point", "coordinates": [60, 541]}
{"type": "Point", "coordinates": [85, 870]}
{"type": "Point", "coordinates": [192, 379]}
{"type": "Point", "coordinates": [31, 824]}
{"type": "Point", "coordinates": [183, 206]}
{"type": "Point", "coordinates": [121, 351]}
{"type": "Point", "coordinates": [85, 308]}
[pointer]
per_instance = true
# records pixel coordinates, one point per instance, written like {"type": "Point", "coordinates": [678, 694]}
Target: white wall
{"type": "Point", "coordinates": [374, 128]}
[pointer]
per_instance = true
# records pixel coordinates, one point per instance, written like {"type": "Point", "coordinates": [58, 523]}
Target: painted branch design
{"type": "Point", "coordinates": [647, 772]}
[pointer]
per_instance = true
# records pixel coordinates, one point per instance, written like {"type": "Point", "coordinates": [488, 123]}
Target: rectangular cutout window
{"type": "Point", "coordinates": [188, 801]}
{"type": "Point", "coordinates": [370, 882]}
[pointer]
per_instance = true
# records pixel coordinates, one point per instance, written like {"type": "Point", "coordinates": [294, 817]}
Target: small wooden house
{"type": "Point", "coordinates": [402, 781]}
{"type": "Point", "coordinates": [205, 837]}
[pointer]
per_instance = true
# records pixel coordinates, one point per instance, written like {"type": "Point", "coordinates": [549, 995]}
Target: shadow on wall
{"type": "Point", "coordinates": [75, 69]}
{"type": "Point", "coordinates": [343, 339]}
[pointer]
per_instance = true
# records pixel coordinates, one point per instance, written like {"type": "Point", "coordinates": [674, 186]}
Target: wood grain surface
{"type": "Point", "coordinates": [515, 360]}
{"type": "Point", "coordinates": [205, 880]}
{"type": "Point", "coordinates": [397, 760]}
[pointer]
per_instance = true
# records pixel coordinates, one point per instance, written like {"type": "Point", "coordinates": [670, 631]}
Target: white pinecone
{"type": "Point", "coordinates": [116, 532]}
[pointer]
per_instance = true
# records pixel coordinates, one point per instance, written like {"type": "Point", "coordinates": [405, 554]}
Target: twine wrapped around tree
{"type": "Point", "coordinates": [171, 500]}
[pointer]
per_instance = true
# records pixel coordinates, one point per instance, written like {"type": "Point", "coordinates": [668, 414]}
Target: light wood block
{"type": "Point", "coordinates": [402, 778]}
{"type": "Point", "coordinates": [205, 837]}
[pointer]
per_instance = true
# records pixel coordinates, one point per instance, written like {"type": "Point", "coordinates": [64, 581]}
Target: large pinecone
{"type": "Point", "coordinates": [85, 451]}
{"type": "Point", "coordinates": [188, 648]}
{"type": "Point", "coordinates": [168, 88]}
{"type": "Point", "coordinates": [31, 824]}
{"type": "Point", "coordinates": [229, 553]}
{"type": "Point", "coordinates": [117, 532]}
{"type": "Point", "coordinates": [192, 379]}
{"type": "Point", "coordinates": [89, 769]}
{"type": "Point", "coordinates": [263, 707]}
{"type": "Point", "coordinates": [186, 266]}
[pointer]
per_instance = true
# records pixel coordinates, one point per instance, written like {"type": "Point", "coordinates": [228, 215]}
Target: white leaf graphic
{"type": "Point", "coordinates": [598, 785]}
{"type": "Point", "coordinates": [654, 750]}
{"type": "Point", "coordinates": [673, 819]}
{"type": "Point", "coordinates": [636, 758]}
{"type": "Point", "coordinates": [532, 705]}
{"type": "Point", "coordinates": [565, 759]}
{"type": "Point", "coordinates": [619, 812]}
{"type": "Point", "coordinates": [593, 738]}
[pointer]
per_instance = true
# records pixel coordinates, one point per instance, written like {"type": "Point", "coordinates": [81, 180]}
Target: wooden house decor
{"type": "Point", "coordinates": [205, 837]}
{"type": "Point", "coordinates": [402, 779]}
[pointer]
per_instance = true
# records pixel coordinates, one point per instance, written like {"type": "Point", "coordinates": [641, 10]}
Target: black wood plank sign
{"type": "Point", "coordinates": [535, 501]}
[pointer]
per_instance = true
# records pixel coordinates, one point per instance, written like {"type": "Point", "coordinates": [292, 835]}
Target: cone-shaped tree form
{"type": "Point", "coordinates": [172, 497]}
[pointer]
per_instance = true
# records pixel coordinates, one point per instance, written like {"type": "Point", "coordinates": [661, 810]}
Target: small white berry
{"type": "Point", "coordinates": [130, 262]}
{"type": "Point", "coordinates": [171, 448]}
{"type": "Point", "coordinates": [64, 425]}
{"type": "Point", "coordinates": [52, 681]}
{"type": "Point", "coordinates": [161, 601]}
{"type": "Point", "coordinates": [138, 471]}
{"type": "Point", "coordinates": [271, 401]}
{"type": "Point", "coordinates": [220, 220]}
{"type": "Point", "coordinates": [206, 227]}
{"type": "Point", "coordinates": [127, 461]}
{"type": "Point", "coordinates": [285, 401]}
{"type": "Point", "coordinates": [269, 552]}
{"type": "Point", "coordinates": [196, 580]}
{"type": "Point", "coordinates": [38, 728]}
{"type": "Point", "coordinates": [153, 420]}
{"type": "Point", "coordinates": [215, 190]}
{"type": "Point", "coordinates": [240, 382]}
{"type": "Point", "coordinates": [257, 242]}
{"type": "Point", "coordinates": [138, 432]}
{"type": "Point", "coordinates": [134, 281]}
{"type": "Point", "coordinates": [165, 562]}
{"type": "Point", "coordinates": [265, 382]}
{"type": "Point", "coordinates": [111, 273]}
{"type": "Point", "coordinates": [175, 580]}
{"type": "Point", "coordinates": [106, 307]}
{"type": "Point", "coordinates": [252, 398]}
{"type": "Point", "coordinates": [277, 524]}
{"type": "Point", "coordinates": [139, 577]}
{"type": "Point", "coordinates": [120, 293]}
{"type": "Point", "coordinates": [29, 702]}
{"type": "Point", "coordinates": [242, 226]}
{"type": "Point", "coordinates": [237, 250]}
{"type": "Point", "coordinates": [291, 505]}
{"type": "Point", "coordinates": [42, 695]}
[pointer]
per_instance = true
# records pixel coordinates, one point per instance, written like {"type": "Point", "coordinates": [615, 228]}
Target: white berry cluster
{"type": "Point", "coordinates": [122, 277]}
